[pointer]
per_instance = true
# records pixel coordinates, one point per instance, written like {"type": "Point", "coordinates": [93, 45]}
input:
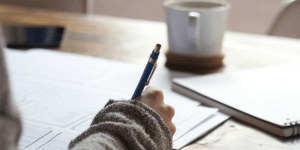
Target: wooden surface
{"type": "Point", "coordinates": [131, 40]}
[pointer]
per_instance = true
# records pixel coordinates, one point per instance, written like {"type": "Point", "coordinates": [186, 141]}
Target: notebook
{"type": "Point", "coordinates": [58, 94]}
{"type": "Point", "coordinates": [268, 97]}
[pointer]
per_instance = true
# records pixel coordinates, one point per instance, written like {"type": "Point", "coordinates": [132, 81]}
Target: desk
{"type": "Point", "coordinates": [131, 40]}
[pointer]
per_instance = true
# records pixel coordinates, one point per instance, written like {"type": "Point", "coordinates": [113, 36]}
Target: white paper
{"type": "Point", "coordinates": [59, 142]}
{"type": "Point", "coordinates": [58, 95]}
{"type": "Point", "coordinates": [188, 118]}
{"type": "Point", "coordinates": [268, 93]}
{"type": "Point", "coordinates": [201, 129]}
{"type": "Point", "coordinates": [32, 133]}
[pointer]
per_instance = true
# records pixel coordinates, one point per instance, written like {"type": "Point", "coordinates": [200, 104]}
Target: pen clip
{"type": "Point", "coordinates": [148, 81]}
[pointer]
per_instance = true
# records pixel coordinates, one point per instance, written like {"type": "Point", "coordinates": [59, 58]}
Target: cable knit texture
{"type": "Point", "coordinates": [125, 125]}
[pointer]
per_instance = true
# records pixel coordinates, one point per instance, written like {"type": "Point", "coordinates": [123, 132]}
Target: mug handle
{"type": "Point", "coordinates": [194, 19]}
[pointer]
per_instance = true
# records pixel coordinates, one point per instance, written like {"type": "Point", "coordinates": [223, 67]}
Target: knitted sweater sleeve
{"type": "Point", "coordinates": [125, 125]}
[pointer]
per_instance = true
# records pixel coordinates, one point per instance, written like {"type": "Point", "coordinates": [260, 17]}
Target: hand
{"type": "Point", "coordinates": [154, 98]}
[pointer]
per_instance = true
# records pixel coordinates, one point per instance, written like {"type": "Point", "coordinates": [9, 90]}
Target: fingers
{"type": "Point", "coordinates": [167, 111]}
{"type": "Point", "coordinates": [172, 128]}
{"type": "Point", "coordinates": [154, 94]}
{"type": "Point", "coordinates": [154, 97]}
{"type": "Point", "coordinates": [167, 114]}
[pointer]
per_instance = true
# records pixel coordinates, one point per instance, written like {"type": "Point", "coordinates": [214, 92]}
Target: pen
{"type": "Point", "coordinates": [148, 72]}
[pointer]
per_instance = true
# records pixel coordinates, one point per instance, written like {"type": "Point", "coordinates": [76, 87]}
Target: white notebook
{"type": "Point", "coordinates": [268, 97]}
{"type": "Point", "coordinates": [50, 86]}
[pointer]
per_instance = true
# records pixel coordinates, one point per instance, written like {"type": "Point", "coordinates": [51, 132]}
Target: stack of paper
{"type": "Point", "coordinates": [58, 94]}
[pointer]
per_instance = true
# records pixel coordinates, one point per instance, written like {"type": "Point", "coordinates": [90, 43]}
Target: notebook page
{"type": "Point", "coordinates": [58, 102]}
{"type": "Point", "coordinates": [270, 93]}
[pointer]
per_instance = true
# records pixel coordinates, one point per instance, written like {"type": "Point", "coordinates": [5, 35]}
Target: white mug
{"type": "Point", "coordinates": [196, 27]}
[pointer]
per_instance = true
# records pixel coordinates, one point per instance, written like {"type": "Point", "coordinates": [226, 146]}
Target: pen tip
{"type": "Point", "coordinates": [157, 48]}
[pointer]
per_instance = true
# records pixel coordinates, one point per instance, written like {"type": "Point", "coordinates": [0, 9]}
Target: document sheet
{"type": "Point", "coordinates": [58, 95]}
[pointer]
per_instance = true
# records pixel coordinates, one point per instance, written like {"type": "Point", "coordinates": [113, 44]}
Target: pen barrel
{"type": "Point", "coordinates": [154, 55]}
{"type": "Point", "coordinates": [140, 87]}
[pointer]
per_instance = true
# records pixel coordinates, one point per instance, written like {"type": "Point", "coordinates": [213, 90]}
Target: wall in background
{"type": "Point", "coordinates": [77, 6]}
{"type": "Point", "coordinates": [138, 9]}
{"type": "Point", "coordinates": [251, 16]}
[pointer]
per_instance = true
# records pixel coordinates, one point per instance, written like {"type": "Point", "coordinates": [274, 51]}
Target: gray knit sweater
{"type": "Point", "coordinates": [121, 125]}
{"type": "Point", "coordinates": [125, 125]}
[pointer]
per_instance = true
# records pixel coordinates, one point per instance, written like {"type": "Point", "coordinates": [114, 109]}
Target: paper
{"type": "Point", "coordinates": [269, 93]}
{"type": "Point", "coordinates": [201, 129]}
{"type": "Point", "coordinates": [58, 95]}
{"type": "Point", "coordinates": [188, 118]}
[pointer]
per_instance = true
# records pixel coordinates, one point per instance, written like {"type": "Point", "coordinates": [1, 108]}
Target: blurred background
{"type": "Point", "coordinates": [250, 16]}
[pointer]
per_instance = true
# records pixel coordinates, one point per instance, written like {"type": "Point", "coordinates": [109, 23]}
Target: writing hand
{"type": "Point", "coordinates": [154, 98]}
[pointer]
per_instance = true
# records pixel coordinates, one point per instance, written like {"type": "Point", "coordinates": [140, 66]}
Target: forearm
{"type": "Point", "coordinates": [125, 125]}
